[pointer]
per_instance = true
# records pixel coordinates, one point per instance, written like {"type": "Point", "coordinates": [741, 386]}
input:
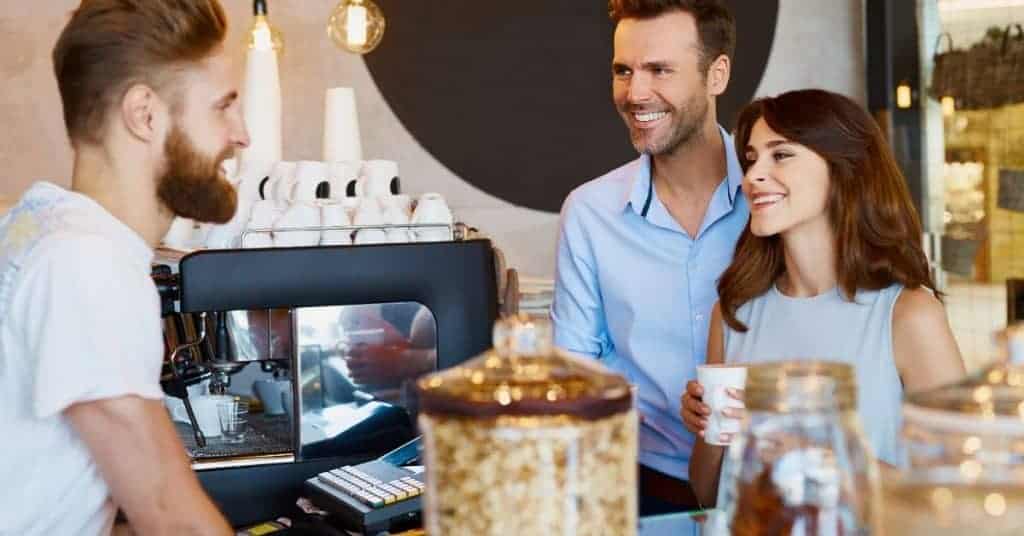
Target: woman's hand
{"type": "Point", "coordinates": [694, 411]}
{"type": "Point", "coordinates": [732, 411]}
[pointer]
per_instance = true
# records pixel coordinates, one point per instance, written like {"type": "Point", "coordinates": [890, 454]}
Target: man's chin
{"type": "Point", "coordinates": [217, 204]}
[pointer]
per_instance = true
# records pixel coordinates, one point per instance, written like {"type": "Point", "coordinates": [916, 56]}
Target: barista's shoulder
{"type": "Point", "coordinates": [609, 191]}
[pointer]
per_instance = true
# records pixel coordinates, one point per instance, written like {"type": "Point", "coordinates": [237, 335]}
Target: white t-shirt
{"type": "Point", "coordinates": [79, 321]}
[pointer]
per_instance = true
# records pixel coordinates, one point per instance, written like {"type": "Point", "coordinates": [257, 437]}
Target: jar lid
{"type": "Point", "coordinates": [525, 375]}
{"type": "Point", "coordinates": [800, 386]}
{"type": "Point", "coordinates": [989, 402]}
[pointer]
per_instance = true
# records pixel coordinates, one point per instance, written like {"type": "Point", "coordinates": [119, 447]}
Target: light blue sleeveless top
{"type": "Point", "coordinates": [828, 327]}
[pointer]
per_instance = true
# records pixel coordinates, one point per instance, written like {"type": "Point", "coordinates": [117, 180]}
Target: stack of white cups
{"type": "Point", "coordinates": [310, 194]}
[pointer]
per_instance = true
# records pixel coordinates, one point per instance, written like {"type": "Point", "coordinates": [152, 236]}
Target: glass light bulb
{"type": "Point", "coordinates": [263, 36]}
{"type": "Point", "coordinates": [356, 25]}
{"type": "Point", "coordinates": [903, 95]}
{"type": "Point", "coordinates": [948, 106]}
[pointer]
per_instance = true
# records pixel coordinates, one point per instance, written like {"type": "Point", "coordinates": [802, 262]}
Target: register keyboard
{"type": "Point", "coordinates": [372, 496]}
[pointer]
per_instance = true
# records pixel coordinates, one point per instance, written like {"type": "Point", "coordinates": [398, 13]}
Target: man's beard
{"type": "Point", "coordinates": [192, 184]}
{"type": "Point", "coordinates": [688, 120]}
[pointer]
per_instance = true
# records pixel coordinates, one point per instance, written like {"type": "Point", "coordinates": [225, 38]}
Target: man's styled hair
{"type": "Point", "coordinates": [110, 45]}
{"type": "Point", "coordinates": [715, 23]}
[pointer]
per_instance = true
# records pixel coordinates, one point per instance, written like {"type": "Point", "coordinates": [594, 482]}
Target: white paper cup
{"type": "Point", "coordinates": [715, 379]}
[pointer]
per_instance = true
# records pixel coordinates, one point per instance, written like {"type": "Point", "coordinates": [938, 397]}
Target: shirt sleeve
{"type": "Point", "coordinates": [577, 312]}
{"type": "Point", "coordinates": [90, 321]}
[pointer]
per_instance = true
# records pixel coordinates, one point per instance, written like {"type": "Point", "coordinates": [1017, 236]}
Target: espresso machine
{"type": "Point", "coordinates": [338, 333]}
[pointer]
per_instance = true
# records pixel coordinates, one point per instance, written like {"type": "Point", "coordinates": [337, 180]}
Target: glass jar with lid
{"type": "Point", "coordinates": [526, 439]}
{"type": "Point", "coordinates": [965, 445]}
{"type": "Point", "coordinates": [800, 464]}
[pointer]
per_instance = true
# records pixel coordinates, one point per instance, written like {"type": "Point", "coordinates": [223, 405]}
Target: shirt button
{"type": "Point", "coordinates": [699, 316]}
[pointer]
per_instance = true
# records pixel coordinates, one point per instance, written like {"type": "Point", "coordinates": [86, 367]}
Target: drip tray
{"type": "Point", "coordinates": [265, 435]}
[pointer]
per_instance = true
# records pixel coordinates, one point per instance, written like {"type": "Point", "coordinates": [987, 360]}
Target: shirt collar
{"type": "Point", "coordinates": [733, 170]}
{"type": "Point", "coordinates": [100, 216]}
{"type": "Point", "coordinates": [640, 195]}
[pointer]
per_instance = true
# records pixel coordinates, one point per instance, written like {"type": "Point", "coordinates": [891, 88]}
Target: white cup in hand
{"type": "Point", "coordinates": [715, 379]}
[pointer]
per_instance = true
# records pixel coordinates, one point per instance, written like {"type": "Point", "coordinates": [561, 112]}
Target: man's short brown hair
{"type": "Point", "coordinates": [110, 45]}
{"type": "Point", "coordinates": [715, 23]}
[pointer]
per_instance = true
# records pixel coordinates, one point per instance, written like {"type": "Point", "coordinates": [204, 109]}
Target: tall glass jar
{"type": "Point", "coordinates": [966, 459]}
{"type": "Point", "coordinates": [800, 464]}
{"type": "Point", "coordinates": [525, 439]}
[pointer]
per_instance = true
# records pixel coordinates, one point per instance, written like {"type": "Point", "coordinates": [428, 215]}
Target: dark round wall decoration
{"type": "Point", "coordinates": [515, 97]}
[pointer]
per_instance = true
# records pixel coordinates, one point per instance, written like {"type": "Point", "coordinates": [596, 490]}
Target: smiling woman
{"type": "Point", "coordinates": [829, 268]}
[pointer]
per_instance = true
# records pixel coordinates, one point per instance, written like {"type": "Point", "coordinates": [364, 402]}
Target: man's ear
{"type": "Point", "coordinates": [718, 75]}
{"type": "Point", "coordinates": [141, 110]}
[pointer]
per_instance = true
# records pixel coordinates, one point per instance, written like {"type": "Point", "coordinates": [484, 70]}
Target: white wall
{"type": "Point", "coordinates": [819, 43]}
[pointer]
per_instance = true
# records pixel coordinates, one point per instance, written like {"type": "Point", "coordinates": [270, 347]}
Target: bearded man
{"type": "Point", "coordinates": [151, 109]}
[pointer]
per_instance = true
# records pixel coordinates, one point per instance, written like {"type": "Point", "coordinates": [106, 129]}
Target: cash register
{"type": "Point", "coordinates": [373, 496]}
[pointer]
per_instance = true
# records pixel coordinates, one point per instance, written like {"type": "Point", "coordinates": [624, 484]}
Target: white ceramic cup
{"type": "Point", "coordinates": [298, 215]}
{"type": "Point", "coordinates": [333, 214]}
{"type": "Point", "coordinates": [340, 174]}
{"type": "Point", "coordinates": [250, 178]}
{"type": "Point", "coordinates": [381, 178]}
{"type": "Point", "coordinates": [369, 214]}
{"type": "Point", "coordinates": [262, 216]}
{"type": "Point", "coordinates": [431, 208]}
{"type": "Point", "coordinates": [224, 236]}
{"type": "Point", "coordinates": [395, 214]}
{"type": "Point", "coordinates": [715, 379]}
{"type": "Point", "coordinates": [281, 182]}
{"type": "Point", "coordinates": [310, 177]}
{"type": "Point", "coordinates": [354, 188]}
{"type": "Point", "coordinates": [205, 409]}
{"type": "Point", "coordinates": [401, 203]}
{"type": "Point", "coordinates": [351, 205]}
{"type": "Point", "coordinates": [269, 392]}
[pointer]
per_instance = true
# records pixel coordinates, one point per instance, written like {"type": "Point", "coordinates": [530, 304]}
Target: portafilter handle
{"type": "Point", "coordinates": [168, 286]}
{"type": "Point", "coordinates": [180, 382]}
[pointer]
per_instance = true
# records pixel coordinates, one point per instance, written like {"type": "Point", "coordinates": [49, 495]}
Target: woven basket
{"type": "Point", "coordinates": [949, 75]}
{"type": "Point", "coordinates": [992, 69]}
{"type": "Point", "coordinates": [1011, 68]}
{"type": "Point", "coordinates": [983, 59]}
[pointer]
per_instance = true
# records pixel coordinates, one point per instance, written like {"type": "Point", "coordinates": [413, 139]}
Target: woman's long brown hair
{"type": "Point", "coordinates": [876, 227]}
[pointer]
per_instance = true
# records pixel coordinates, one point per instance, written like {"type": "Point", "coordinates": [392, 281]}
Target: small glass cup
{"type": "Point", "coordinates": [233, 415]}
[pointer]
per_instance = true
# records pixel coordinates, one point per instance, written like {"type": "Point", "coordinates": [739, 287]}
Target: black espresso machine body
{"type": "Point", "coordinates": [298, 316]}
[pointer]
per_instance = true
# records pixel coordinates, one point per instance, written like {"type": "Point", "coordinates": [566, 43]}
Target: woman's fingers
{"type": "Point", "coordinates": [735, 393]}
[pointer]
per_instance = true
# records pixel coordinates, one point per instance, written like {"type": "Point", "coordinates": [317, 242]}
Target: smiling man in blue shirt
{"type": "Point", "coordinates": [642, 247]}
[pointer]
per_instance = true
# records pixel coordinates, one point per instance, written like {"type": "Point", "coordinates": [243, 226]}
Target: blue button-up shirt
{"type": "Point", "coordinates": [635, 290]}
